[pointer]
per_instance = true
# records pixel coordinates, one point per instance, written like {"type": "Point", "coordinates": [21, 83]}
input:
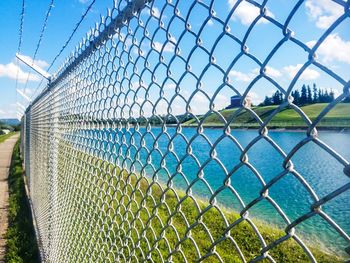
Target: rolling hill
{"type": "Point", "coordinates": [338, 117]}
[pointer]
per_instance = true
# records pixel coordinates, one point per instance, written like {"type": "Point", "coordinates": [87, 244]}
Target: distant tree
{"type": "Point", "coordinates": [17, 127]}
{"type": "Point", "coordinates": [347, 99]}
{"type": "Point", "coordinates": [320, 96]}
{"type": "Point", "coordinates": [297, 97]}
{"type": "Point", "coordinates": [315, 96]}
{"type": "Point", "coordinates": [326, 96]}
{"type": "Point", "coordinates": [303, 97]}
{"type": "Point", "coordinates": [331, 95]}
{"type": "Point", "coordinates": [309, 95]}
{"type": "Point", "coordinates": [267, 101]}
{"type": "Point", "coordinates": [281, 97]}
{"type": "Point", "coordinates": [277, 98]}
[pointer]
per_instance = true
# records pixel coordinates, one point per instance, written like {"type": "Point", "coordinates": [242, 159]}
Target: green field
{"type": "Point", "coordinates": [338, 117]}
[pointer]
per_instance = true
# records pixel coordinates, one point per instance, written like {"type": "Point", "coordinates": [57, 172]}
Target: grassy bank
{"type": "Point", "coordinates": [142, 218]}
{"type": "Point", "coordinates": [4, 137]}
{"type": "Point", "coordinates": [339, 116]}
{"type": "Point", "coordinates": [21, 243]}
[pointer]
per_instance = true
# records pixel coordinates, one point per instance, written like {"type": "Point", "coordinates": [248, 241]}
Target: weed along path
{"type": "Point", "coordinates": [5, 162]}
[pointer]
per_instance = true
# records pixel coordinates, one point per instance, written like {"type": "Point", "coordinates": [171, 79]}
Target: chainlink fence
{"type": "Point", "coordinates": [123, 164]}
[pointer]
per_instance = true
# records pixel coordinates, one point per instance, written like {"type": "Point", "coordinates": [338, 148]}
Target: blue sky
{"type": "Point", "coordinates": [64, 16]}
{"type": "Point", "coordinates": [308, 25]}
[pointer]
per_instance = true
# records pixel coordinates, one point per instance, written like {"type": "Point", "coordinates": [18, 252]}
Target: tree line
{"type": "Point", "coordinates": [305, 96]}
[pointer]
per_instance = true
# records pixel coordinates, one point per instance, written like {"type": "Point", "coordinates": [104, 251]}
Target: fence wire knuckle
{"type": "Point", "coordinates": [114, 172]}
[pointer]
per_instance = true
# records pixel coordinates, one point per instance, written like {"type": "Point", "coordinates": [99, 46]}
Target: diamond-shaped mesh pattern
{"type": "Point", "coordinates": [122, 168]}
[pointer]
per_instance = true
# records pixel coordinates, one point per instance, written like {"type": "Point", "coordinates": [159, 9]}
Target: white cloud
{"type": "Point", "coordinates": [169, 86]}
{"type": "Point", "coordinates": [126, 40]}
{"type": "Point", "coordinates": [240, 76]}
{"type": "Point", "coordinates": [221, 101]}
{"type": "Point", "coordinates": [269, 71]}
{"type": "Point", "coordinates": [40, 63]}
{"type": "Point", "coordinates": [247, 77]}
{"type": "Point", "coordinates": [334, 48]}
{"type": "Point", "coordinates": [272, 72]}
{"type": "Point", "coordinates": [200, 103]}
{"type": "Point", "coordinates": [146, 45]}
{"type": "Point", "coordinates": [246, 12]}
{"type": "Point", "coordinates": [308, 74]}
{"type": "Point", "coordinates": [83, 1]}
{"type": "Point", "coordinates": [154, 11]}
{"type": "Point", "coordinates": [210, 22]}
{"type": "Point", "coordinates": [169, 47]}
{"type": "Point", "coordinates": [255, 97]}
{"type": "Point", "coordinates": [11, 70]}
{"type": "Point", "coordinates": [146, 107]}
{"type": "Point", "coordinates": [323, 12]}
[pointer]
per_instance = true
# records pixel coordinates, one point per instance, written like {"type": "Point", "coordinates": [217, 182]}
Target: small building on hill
{"type": "Point", "coordinates": [236, 102]}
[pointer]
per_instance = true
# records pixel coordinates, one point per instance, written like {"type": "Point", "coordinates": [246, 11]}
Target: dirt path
{"type": "Point", "coordinates": [5, 161]}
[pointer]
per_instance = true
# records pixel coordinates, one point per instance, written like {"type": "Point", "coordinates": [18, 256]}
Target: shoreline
{"type": "Point", "coordinates": [272, 129]}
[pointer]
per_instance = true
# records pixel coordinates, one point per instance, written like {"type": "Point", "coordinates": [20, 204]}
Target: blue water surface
{"type": "Point", "coordinates": [165, 155]}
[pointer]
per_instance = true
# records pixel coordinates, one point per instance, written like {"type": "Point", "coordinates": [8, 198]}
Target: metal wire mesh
{"type": "Point", "coordinates": [115, 174]}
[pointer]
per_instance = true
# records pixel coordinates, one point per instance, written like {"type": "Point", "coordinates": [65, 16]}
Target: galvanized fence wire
{"type": "Point", "coordinates": [107, 178]}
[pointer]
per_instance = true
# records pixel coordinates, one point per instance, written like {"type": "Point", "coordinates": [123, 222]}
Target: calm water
{"type": "Point", "coordinates": [321, 171]}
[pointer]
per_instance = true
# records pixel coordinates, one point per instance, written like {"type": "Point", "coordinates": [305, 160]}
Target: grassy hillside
{"type": "Point", "coordinates": [162, 221]}
{"type": "Point", "coordinates": [339, 116]}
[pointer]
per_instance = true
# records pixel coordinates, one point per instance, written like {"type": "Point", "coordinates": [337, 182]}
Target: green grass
{"type": "Point", "coordinates": [21, 242]}
{"type": "Point", "coordinates": [4, 137]}
{"type": "Point", "coordinates": [131, 210]}
{"type": "Point", "coordinates": [339, 116]}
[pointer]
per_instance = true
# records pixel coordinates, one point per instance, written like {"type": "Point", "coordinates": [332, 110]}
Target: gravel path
{"type": "Point", "coordinates": [5, 161]}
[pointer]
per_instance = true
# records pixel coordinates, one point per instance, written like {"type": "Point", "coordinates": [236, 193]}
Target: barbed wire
{"type": "Point", "coordinates": [20, 36]}
{"type": "Point", "coordinates": [21, 27]}
{"type": "Point", "coordinates": [72, 34]}
{"type": "Point", "coordinates": [51, 5]}
{"type": "Point", "coordinates": [66, 43]}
